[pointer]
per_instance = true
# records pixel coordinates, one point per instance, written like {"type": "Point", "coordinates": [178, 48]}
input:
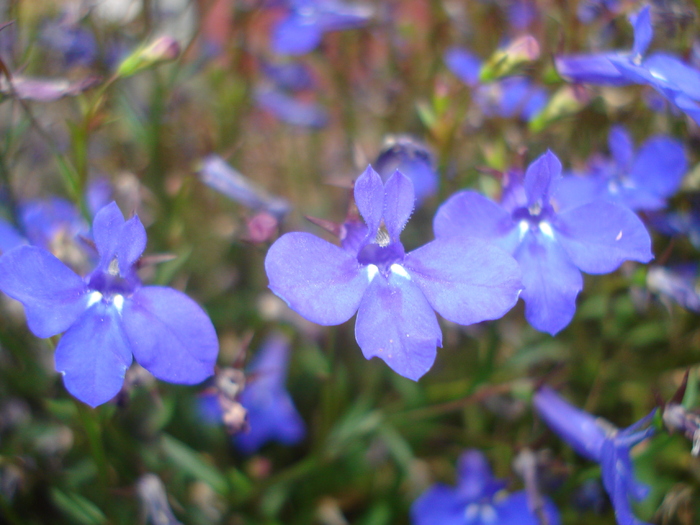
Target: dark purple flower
{"type": "Point", "coordinates": [413, 159]}
{"type": "Point", "coordinates": [476, 500]}
{"type": "Point", "coordinates": [76, 44]}
{"type": "Point", "coordinates": [641, 181]}
{"type": "Point", "coordinates": [218, 175]}
{"type": "Point", "coordinates": [552, 247]}
{"type": "Point", "coordinates": [394, 293]}
{"type": "Point", "coordinates": [291, 110]}
{"type": "Point", "coordinates": [108, 316]}
{"type": "Point", "coordinates": [272, 415]}
{"type": "Point", "coordinates": [307, 20]}
{"type": "Point", "coordinates": [599, 441]}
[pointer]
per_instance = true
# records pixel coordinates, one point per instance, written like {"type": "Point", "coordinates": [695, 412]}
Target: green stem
{"type": "Point", "coordinates": [93, 430]}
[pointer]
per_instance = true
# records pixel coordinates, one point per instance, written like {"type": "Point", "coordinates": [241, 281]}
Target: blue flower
{"type": "Point", "coordinates": [552, 247]}
{"type": "Point", "coordinates": [272, 415]}
{"type": "Point", "coordinates": [76, 44]}
{"type": "Point", "coordinates": [641, 182]}
{"type": "Point", "coordinates": [9, 237]}
{"type": "Point", "coordinates": [294, 111]}
{"type": "Point", "coordinates": [109, 316]}
{"type": "Point", "coordinates": [678, 283]}
{"type": "Point", "coordinates": [411, 158]}
{"type": "Point", "coordinates": [394, 293]}
{"type": "Point", "coordinates": [478, 499]}
{"type": "Point", "coordinates": [307, 20]}
{"type": "Point", "coordinates": [45, 221]}
{"type": "Point", "coordinates": [599, 441]}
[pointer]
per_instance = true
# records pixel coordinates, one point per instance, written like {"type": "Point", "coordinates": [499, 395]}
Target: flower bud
{"type": "Point", "coordinates": [162, 49]}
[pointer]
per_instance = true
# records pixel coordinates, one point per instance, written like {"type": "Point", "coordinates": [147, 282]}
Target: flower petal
{"type": "Point", "coordinates": [52, 294]}
{"type": "Point", "coordinates": [93, 355]}
{"type": "Point", "coordinates": [463, 63]}
{"type": "Point", "coordinates": [578, 428]}
{"type": "Point", "coordinates": [439, 505]}
{"type": "Point", "coordinates": [515, 509]}
{"type": "Point", "coordinates": [106, 228]}
{"type": "Point", "coordinates": [9, 237]}
{"type": "Point", "coordinates": [398, 203]}
{"type": "Point", "coordinates": [599, 236]}
{"type": "Point", "coordinates": [317, 279]}
{"type": "Point", "coordinates": [593, 69]}
{"type": "Point", "coordinates": [369, 197]}
{"type": "Point", "coordinates": [396, 323]}
{"type": "Point", "coordinates": [621, 147]}
{"type": "Point", "coordinates": [577, 189]}
{"type": "Point", "coordinates": [551, 282]}
{"type": "Point", "coordinates": [660, 166]}
{"type": "Point", "coordinates": [468, 213]}
{"type": "Point", "coordinates": [466, 280]}
{"type": "Point", "coordinates": [170, 335]}
{"type": "Point", "coordinates": [272, 416]}
{"type": "Point", "coordinates": [296, 35]}
{"type": "Point", "coordinates": [643, 31]}
{"type": "Point", "coordinates": [540, 178]}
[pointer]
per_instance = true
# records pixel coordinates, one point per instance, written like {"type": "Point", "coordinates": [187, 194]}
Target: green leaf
{"type": "Point", "coordinates": [194, 464]}
{"type": "Point", "coordinates": [77, 508]}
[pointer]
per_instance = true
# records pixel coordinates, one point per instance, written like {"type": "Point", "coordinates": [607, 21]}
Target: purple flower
{"type": "Point", "coordinates": [599, 441]}
{"type": "Point", "coordinates": [307, 20]}
{"type": "Point", "coordinates": [641, 182]}
{"type": "Point", "coordinates": [475, 501]}
{"type": "Point", "coordinates": [413, 159]}
{"type": "Point", "coordinates": [108, 316]}
{"type": "Point", "coordinates": [394, 292]}
{"type": "Point", "coordinates": [272, 415]}
{"type": "Point", "coordinates": [292, 76]}
{"type": "Point", "coordinates": [290, 109]}
{"type": "Point", "coordinates": [464, 64]}
{"type": "Point", "coordinates": [43, 221]}
{"type": "Point", "coordinates": [76, 44]}
{"type": "Point", "coordinates": [552, 247]}
{"type": "Point", "coordinates": [9, 237]}
{"type": "Point", "coordinates": [678, 283]}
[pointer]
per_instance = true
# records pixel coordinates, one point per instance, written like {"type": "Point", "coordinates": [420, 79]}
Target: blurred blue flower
{"type": "Point", "coordinates": [76, 44]}
{"type": "Point", "coordinates": [478, 499]}
{"type": "Point", "coordinates": [218, 175]}
{"type": "Point", "coordinates": [108, 316]}
{"type": "Point", "coordinates": [307, 20]}
{"type": "Point", "coordinates": [413, 159]}
{"type": "Point", "coordinates": [521, 13]}
{"type": "Point", "coordinates": [272, 415]}
{"type": "Point", "coordinates": [552, 248]}
{"type": "Point", "coordinates": [641, 182]}
{"type": "Point", "coordinates": [45, 221]}
{"type": "Point", "coordinates": [515, 96]}
{"type": "Point", "coordinates": [678, 283]}
{"type": "Point", "coordinates": [599, 441]}
{"type": "Point", "coordinates": [678, 82]}
{"type": "Point", "coordinates": [9, 237]}
{"type": "Point", "coordinates": [289, 109]}
{"type": "Point", "coordinates": [291, 76]}
{"type": "Point", "coordinates": [394, 293]}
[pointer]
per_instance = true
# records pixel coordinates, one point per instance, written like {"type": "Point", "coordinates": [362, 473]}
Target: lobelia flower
{"type": "Point", "coordinates": [599, 441]}
{"type": "Point", "coordinates": [478, 499]}
{"type": "Point", "coordinates": [307, 20]}
{"type": "Point", "coordinates": [552, 247]}
{"type": "Point", "coordinates": [641, 182]}
{"type": "Point", "coordinates": [108, 316]}
{"type": "Point", "coordinates": [76, 44]}
{"type": "Point", "coordinates": [413, 159]}
{"type": "Point", "coordinates": [393, 292]}
{"type": "Point", "coordinates": [678, 283]}
{"type": "Point", "coordinates": [294, 111]}
{"type": "Point", "coordinates": [272, 415]}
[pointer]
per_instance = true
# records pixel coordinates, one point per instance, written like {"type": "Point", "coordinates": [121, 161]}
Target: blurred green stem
{"type": "Point", "coordinates": [93, 431]}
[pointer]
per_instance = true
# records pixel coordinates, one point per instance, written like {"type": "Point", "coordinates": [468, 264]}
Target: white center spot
{"type": "Point", "coordinates": [399, 270]}
{"type": "Point", "coordinates": [118, 302]}
{"type": "Point", "coordinates": [546, 229]}
{"type": "Point", "coordinates": [94, 298]}
{"type": "Point", "coordinates": [619, 236]}
{"type": "Point", "coordinates": [523, 226]}
{"type": "Point", "coordinates": [372, 271]}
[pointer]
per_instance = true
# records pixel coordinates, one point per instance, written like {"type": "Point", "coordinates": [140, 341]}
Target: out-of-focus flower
{"type": "Point", "coordinates": [677, 418]}
{"type": "Point", "coordinates": [413, 159]}
{"type": "Point", "coordinates": [75, 43]}
{"type": "Point", "coordinates": [464, 64]}
{"type": "Point", "coordinates": [478, 499]}
{"type": "Point", "coordinates": [108, 317]}
{"type": "Point", "coordinates": [162, 49]}
{"type": "Point", "coordinates": [464, 280]}
{"type": "Point", "coordinates": [216, 174]}
{"type": "Point", "coordinates": [289, 109]}
{"type": "Point", "coordinates": [679, 284]}
{"type": "Point", "coordinates": [292, 76]}
{"type": "Point", "coordinates": [599, 441]}
{"type": "Point", "coordinates": [45, 90]}
{"type": "Point", "coordinates": [552, 248]}
{"type": "Point", "coordinates": [154, 500]}
{"type": "Point", "coordinates": [307, 20]}
{"type": "Point", "coordinates": [272, 415]}
{"type": "Point", "coordinates": [9, 237]}
{"type": "Point", "coordinates": [641, 182]}
{"type": "Point", "coordinates": [590, 10]}
{"type": "Point", "coordinates": [44, 220]}
{"type": "Point", "coordinates": [521, 13]}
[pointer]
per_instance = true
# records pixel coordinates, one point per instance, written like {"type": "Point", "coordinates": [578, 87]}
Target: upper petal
{"type": "Point", "coordinates": [463, 63]}
{"type": "Point", "coordinates": [317, 279]}
{"type": "Point", "coordinates": [396, 323]}
{"type": "Point", "coordinates": [470, 213]}
{"type": "Point", "coordinates": [540, 178]}
{"type": "Point", "coordinates": [93, 355]}
{"type": "Point", "coordinates": [578, 428]}
{"type": "Point", "coordinates": [466, 280]}
{"type": "Point", "coordinates": [52, 294]}
{"type": "Point", "coordinates": [398, 203]}
{"type": "Point", "coordinates": [369, 197]}
{"type": "Point", "coordinates": [599, 236]}
{"type": "Point", "coordinates": [660, 166]}
{"type": "Point", "coordinates": [170, 335]}
{"type": "Point", "coordinates": [515, 509]}
{"type": "Point", "coordinates": [105, 230]}
{"type": "Point", "coordinates": [296, 35]}
{"type": "Point", "coordinates": [643, 31]}
{"type": "Point", "coordinates": [551, 282]}
{"type": "Point", "coordinates": [592, 69]}
{"type": "Point", "coordinates": [621, 147]}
